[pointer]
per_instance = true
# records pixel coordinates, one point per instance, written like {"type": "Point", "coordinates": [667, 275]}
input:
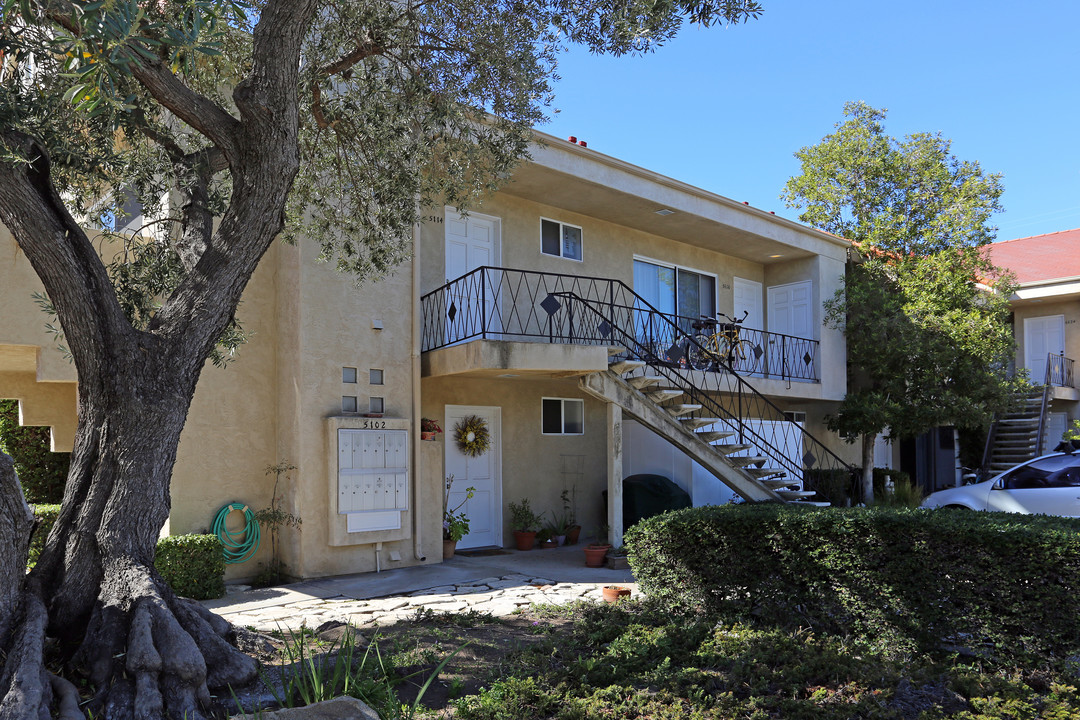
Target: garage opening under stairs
{"type": "Point", "coordinates": [714, 416]}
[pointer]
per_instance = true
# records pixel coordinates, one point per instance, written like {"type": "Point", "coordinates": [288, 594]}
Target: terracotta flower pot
{"type": "Point", "coordinates": [548, 544]}
{"type": "Point", "coordinates": [427, 435]}
{"type": "Point", "coordinates": [448, 548]}
{"type": "Point", "coordinates": [594, 555]}
{"type": "Point", "coordinates": [572, 534]}
{"type": "Point", "coordinates": [524, 540]}
{"type": "Point", "coordinates": [613, 593]}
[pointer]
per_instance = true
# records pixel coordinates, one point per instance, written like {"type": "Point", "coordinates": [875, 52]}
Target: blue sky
{"type": "Point", "coordinates": [725, 108]}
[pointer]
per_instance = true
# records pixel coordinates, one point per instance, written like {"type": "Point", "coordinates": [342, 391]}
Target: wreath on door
{"type": "Point", "coordinates": [472, 436]}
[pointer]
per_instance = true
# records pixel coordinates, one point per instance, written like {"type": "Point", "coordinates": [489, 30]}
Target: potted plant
{"type": "Point", "coordinates": [596, 551]}
{"type": "Point", "coordinates": [429, 429]}
{"type": "Point", "coordinates": [455, 522]}
{"type": "Point", "coordinates": [524, 522]}
{"type": "Point", "coordinates": [557, 527]}
{"type": "Point", "coordinates": [573, 530]}
{"type": "Point", "coordinates": [546, 538]}
{"type": "Point", "coordinates": [614, 593]}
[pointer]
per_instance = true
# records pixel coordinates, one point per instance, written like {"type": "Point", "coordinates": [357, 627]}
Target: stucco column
{"type": "Point", "coordinates": [615, 473]}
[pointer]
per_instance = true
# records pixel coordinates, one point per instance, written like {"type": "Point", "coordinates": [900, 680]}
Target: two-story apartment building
{"type": "Point", "coordinates": [1046, 318]}
{"type": "Point", "coordinates": [560, 313]}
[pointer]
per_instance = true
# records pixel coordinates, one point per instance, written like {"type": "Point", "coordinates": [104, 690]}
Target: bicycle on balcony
{"type": "Point", "coordinates": [721, 342]}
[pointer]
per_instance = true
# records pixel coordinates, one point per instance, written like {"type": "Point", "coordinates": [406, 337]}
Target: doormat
{"type": "Point", "coordinates": [482, 552]}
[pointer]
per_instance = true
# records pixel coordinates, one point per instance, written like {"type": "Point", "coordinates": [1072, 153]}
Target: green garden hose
{"type": "Point", "coordinates": [242, 544]}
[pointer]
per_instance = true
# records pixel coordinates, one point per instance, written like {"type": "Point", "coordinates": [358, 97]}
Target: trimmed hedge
{"type": "Point", "coordinates": [192, 565]}
{"type": "Point", "coordinates": [41, 472]}
{"type": "Point", "coordinates": [908, 580]}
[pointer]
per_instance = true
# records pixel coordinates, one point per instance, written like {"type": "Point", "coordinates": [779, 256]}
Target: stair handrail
{"type": "Point", "coordinates": [697, 393]}
{"type": "Point", "coordinates": [1044, 406]}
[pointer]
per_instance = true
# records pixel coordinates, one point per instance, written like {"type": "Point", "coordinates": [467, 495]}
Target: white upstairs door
{"type": "Point", "coordinates": [472, 242]}
{"type": "Point", "coordinates": [484, 473]}
{"type": "Point", "coordinates": [1042, 336]}
{"type": "Point", "coordinates": [748, 299]}
{"type": "Point", "coordinates": [791, 312]}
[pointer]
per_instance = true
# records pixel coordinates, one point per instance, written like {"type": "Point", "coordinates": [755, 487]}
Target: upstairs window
{"type": "Point", "coordinates": [560, 239]}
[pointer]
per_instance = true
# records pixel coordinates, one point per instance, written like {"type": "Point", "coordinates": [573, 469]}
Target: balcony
{"type": "Point", "coordinates": [522, 306]}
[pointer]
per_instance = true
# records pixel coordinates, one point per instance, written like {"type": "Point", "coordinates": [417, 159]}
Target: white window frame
{"type": "Point", "coordinates": [677, 268]}
{"type": "Point", "coordinates": [562, 225]}
{"type": "Point", "coordinates": [562, 416]}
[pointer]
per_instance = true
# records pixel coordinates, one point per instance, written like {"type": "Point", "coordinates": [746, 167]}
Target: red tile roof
{"type": "Point", "coordinates": [1040, 257]}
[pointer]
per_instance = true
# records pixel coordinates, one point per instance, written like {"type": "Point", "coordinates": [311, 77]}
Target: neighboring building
{"type": "Point", "coordinates": [512, 314]}
{"type": "Point", "coordinates": [1046, 319]}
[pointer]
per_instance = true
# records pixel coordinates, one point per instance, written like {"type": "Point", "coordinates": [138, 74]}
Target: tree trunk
{"type": "Point", "coordinates": [868, 441]}
{"type": "Point", "coordinates": [146, 652]}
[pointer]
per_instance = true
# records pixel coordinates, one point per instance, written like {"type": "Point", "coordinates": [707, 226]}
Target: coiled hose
{"type": "Point", "coordinates": [242, 544]}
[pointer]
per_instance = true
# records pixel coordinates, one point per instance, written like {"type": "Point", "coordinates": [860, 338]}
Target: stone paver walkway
{"type": "Point", "coordinates": [499, 596]}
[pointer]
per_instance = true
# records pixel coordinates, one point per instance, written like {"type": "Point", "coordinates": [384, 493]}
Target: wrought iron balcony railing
{"type": "Point", "coordinates": [504, 304]}
{"type": "Point", "coordinates": [1059, 371]}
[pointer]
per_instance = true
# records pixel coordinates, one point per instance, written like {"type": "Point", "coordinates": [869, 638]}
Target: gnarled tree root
{"type": "Point", "coordinates": [151, 654]}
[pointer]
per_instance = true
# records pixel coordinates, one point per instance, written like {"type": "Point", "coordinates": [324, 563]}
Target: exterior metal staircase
{"type": "Point", "coordinates": [716, 418]}
{"type": "Point", "coordinates": [1016, 436]}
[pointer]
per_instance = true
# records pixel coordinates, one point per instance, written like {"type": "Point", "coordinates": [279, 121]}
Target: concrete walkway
{"type": "Point", "coordinates": [496, 584]}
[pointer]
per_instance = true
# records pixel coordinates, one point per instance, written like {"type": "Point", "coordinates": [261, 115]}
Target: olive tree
{"type": "Point", "coordinates": [225, 125]}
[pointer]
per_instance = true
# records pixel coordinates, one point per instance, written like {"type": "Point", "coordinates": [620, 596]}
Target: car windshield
{"type": "Point", "coordinates": [1053, 471]}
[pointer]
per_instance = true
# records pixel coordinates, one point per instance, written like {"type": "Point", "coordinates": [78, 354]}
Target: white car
{"type": "Point", "coordinates": [1048, 485]}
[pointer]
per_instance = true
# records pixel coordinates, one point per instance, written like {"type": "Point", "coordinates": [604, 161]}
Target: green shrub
{"type": "Point", "coordinates": [193, 565]}
{"type": "Point", "coordinates": [914, 580]}
{"type": "Point", "coordinates": [45, 516]}
{"type": "Point", "coordinates": [41, 472]}
{"type": "Point", "coordinates": [834, 486]}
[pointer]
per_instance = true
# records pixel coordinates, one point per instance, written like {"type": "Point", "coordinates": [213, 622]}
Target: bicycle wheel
{"type": "Point", "coordinates": [697, 353]}
{"type": "Point", "coordinates": [746, 355]}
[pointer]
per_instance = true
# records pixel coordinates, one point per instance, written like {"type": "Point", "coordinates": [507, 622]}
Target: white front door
{"type": "Point", "coordinates": [748, 299]}
{"type": "Point", "coordinates": [472, 242]}
{"type": "Point", "coordinates": [1042, 336]}
{"type": "Point", "coordinates": [1056, 425]}
{"type": "Point", "coordinates": [484, 473]}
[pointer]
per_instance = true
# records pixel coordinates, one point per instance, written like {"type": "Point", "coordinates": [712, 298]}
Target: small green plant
{"type": "Point", "coordinates": [311, 676]}
{"type": "Point", "coordinates": [1072, 432]}
{"type": "Point", "coordinates": [522, 517]}
{"type": "Point", "coordinates": [455, 524]}
{"type": "Point", "coordinates": [273, 518]}
{"type": "Point", "coordinates": [569, 514]}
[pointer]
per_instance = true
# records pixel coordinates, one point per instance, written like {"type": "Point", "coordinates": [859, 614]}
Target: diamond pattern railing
{"type": "Point", "coordinates": [497, 303]}
{"type": "Point", "coordinates": [1059, 371]}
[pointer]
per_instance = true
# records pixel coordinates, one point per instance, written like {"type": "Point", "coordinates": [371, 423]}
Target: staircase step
{"type": "Point", "coordinates": [643, 381]}
{"type": "Point", "coordinates": [615, 350]}
{"type": "Point", "coordinates": [663, 394]}
{"type": "Point", "coordinates": [711, 435]}
{"type": "Point", "coordinates": [795, 494]}
{"type": "Point", "coordinates": [743, 460]}
{"type": "Point", "coordinates": [1019, 421]}
{"type": "Point", "coordinates": [777, 483]}
{"type": "Point", "coordinates": [763, 472]}
{"type": "Point", "coordinates": [728, 449]}
{"type": "Point", "coordinates": [624, 366]}
{"type": "Point", "coordinates": [693, 423]}
{"type": "Point", "coordinates": [812, 503]}
{"type": "Point", "coordinates": [678, 410]}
